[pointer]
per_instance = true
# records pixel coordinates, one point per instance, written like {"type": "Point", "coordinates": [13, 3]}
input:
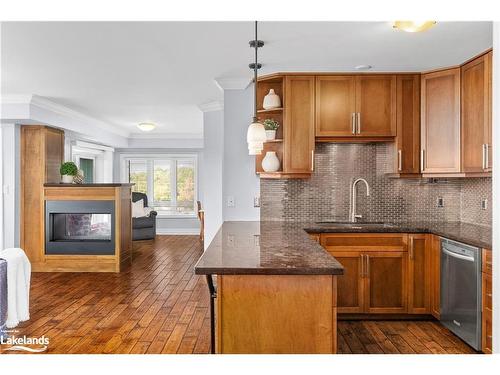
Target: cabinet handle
{"type": "Point", "coordinates": [484, 156]}
{"type": "Point", "coordinates": [312, 160]}
{"type": "Point", "coordinates": [487, 156]}
{"type": "Point", "coordinates": [358, 115]}
{"type": "Point", "coordinates": [353, 123]}
{"type": "Point", "coordinates": [400, 160]}
{"type": "Point", "coordinates": [422, 159]}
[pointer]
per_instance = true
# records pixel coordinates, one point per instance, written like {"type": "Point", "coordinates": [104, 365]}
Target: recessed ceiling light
{"type": "Point", "coordinates": [146, 126]}
{"type": "Point", "coordinates": [413, 26]}
{"type": "Point", "coordinates": [363, 67]}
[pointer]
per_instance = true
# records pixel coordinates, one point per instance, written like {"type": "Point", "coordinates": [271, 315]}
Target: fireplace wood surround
{"type": "Point", "coordinates": [42, 152]}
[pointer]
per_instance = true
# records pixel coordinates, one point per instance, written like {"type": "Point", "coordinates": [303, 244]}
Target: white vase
{"type": "Point", "coordinates": [270, 135]}
{"type": "Point", "coordinates": [270, 163]}
{"type": "Point", "coordinates": [271, 100]}
{"type": "Point", "coordinates": [67, 179]}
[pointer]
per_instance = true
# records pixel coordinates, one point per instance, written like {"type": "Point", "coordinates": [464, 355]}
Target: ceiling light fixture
{"type": "Point", "coordinates": [413, 26]}
{"type": "Point", "coordinates": [256, 134]}
{"type": "Point", "coordinates": [146, 126]}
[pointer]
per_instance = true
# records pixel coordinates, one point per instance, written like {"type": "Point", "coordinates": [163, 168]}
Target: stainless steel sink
{"type": "Point", "coordinates": [347, 224]}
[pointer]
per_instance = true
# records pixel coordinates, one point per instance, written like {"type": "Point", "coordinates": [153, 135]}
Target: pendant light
{"type": "Point", "coordinates": [256, 134]}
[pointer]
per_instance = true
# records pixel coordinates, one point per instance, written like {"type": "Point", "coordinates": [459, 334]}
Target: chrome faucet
{"type": "Point", "coordinates": [352, 212]}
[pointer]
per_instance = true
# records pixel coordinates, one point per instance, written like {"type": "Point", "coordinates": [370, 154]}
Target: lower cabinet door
{"type": "Point", "coordinates": [435, 277]}
{"type": "Point", "coordinates": [418, 274]}
{"type": "Point", "coordinates": [350, 284]}
{"type": "Point", "coordinates": [385, 282]}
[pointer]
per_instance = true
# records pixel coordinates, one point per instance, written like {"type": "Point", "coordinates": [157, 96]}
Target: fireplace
{"type": "Point", "coordinates": [79, 227]}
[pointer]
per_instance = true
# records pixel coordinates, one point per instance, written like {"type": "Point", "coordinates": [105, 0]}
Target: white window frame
{"type": "Point", "coordinates": [149, 159]}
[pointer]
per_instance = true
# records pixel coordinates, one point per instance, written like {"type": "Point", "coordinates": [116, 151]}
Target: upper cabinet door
{"type": "Point", "coordinates": [376, 105]}
{"type": "Point", "coordinates": [489, 133]}
{"type": "Point", "coordinates": [335, 106]}
{"type": "Point", "coordinates": [408, 124]}
{"type": "Point", "coordinates": [440, 121]}
{"type": "Point", "coordinates": [475, 114]}
{"type": "Point", "coordinates": [299, 124]}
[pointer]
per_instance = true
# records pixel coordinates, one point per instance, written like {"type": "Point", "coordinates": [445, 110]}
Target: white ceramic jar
{"type": "Point", "coordinates": [270, 135]}
{"type": "Point", "coordinates": [270, 163]}
{"type": "Point", "coordinates": [67, 179]}
{"type": "Point", "coordinates": [271, 100]}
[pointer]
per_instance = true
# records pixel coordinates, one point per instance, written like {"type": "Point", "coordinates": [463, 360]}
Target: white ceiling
{"type": "Point", "coordinates": [129, 72]}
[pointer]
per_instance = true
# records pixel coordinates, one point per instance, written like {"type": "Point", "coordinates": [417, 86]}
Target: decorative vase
{"type": "Point", "coordinates": [270, 135]}
{"type": "Point", "coordinates": [270, 163]}
{"type": "Point", "coordinates": [67, 179]}
{"type": "Point", "coordinates": [79, 178]}
{"type": "Point", "coordinates": [271, 100]}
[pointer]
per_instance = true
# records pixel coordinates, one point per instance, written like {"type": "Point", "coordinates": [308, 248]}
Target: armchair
{"type": "Point", "coordinates": [143, 228]}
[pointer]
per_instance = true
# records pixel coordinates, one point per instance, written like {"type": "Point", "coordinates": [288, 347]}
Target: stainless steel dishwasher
{"type": "Point", "coordinates": [461, 290]}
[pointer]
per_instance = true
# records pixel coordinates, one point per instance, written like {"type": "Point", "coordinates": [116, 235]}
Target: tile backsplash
{"type": "Point", "coordinates": [326, 195]}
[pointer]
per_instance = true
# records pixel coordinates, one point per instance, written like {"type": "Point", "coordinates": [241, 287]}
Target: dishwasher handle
{"type": "Point", "coordinates": [459, 256]}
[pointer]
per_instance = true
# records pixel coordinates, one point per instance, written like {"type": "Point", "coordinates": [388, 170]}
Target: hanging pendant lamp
{"type": "Point", "coordinates": [256, 134]}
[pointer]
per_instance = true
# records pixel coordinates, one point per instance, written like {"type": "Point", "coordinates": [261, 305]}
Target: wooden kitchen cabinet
{"type": "Point", "coordinates": [361, 106]}
{"type": "Point", "coordinates": [335, 106]}
{"type": "Point", "coordinates": [376, 105]}
{"type": "Point", "coordinates": [487, 302]}
{"type": "Point", "coordinates": [435, 276]}
{"type": "Point", "coordinates": [350, 288]}
{"type": "Point", "coordinates": [385, 282]}
{"type": "Point", "coordinates": [440, 122]}
{"type": "Point", "coordinates": [407, 143]}
{"type": "Point", "coordinates": [418, 274]}
{"type": "Point", "coordinates": [476, 114]}
{"type": "Point", "coordinates": [294, 143]}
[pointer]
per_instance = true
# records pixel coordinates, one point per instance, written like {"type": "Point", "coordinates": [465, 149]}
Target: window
{"type": "Point", "coordinates": [168, 181]}
{"type": "Point", "coordinates": [87, 166]}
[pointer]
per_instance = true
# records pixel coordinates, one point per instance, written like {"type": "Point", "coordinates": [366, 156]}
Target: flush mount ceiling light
{"type": "Point", "coordinates": [256, 134]}
{"type": "Point", "coordinates": [146, 126]}
{"type": "Point", "coordinates": [413, 26]}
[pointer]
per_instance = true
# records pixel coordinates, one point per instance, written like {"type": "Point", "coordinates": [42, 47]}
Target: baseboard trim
{"type": "Point", "coordinates": [177, 231]}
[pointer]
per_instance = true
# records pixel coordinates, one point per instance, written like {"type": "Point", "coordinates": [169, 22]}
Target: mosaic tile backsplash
{"type": "Point", "coordinates": [326, 195]}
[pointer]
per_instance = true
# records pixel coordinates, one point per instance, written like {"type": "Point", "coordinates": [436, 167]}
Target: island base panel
{"type": "Point", "coordinates": [276, 314]}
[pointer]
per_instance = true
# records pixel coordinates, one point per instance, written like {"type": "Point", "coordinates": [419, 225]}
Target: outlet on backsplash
{"type": "Point", "coordinates": [484, 204]}
{"type": "Point", "coordinates": [440, 202]}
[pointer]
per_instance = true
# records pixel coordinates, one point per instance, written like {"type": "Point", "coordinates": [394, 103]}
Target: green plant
{"type": "Point", "coordinates": [270, 124]}
{"type": "Point", "coordinates": [68, 168]}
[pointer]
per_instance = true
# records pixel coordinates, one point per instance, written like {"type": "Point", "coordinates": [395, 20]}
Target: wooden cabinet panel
{"type": "Point", "coordinates": [487, 302]}
{"type": "Point", "coordinates": [350, 284]}
{"type": "Point", "coordinates": [435, 277]}
{"type": "Point", "coordinates": [376, 105]}
{"type": "Point", "coordinates": [408, 124]}
{"type": "Point", "coordinates": [475, 101]}
{"type": "Point", "coordinates": [418, 274]}
{"type": "Point", "coordinates": [335, 106]}
{"type": "Point", "coordinates": [489, 133]}
{"type": "Point", "coordinates": [54, 151]}
{"type": "Point", "coordinates": [440, 121]}
{"type": "Point", "coordinates": [299, 124]}
{"type": "Point", "coordinates": [385, 284]}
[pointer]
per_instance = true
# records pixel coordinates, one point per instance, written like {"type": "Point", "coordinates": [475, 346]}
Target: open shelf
{"type": "Point", "coordinates": [270, 110]}
{"type": "Point", "coordinates": [278, 140]}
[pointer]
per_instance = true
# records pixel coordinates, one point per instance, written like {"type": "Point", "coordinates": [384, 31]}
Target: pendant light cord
{"type": "Point", "coordinates": [255, 68]}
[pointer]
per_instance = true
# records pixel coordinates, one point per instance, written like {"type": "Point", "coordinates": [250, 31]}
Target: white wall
{"type": "Point", "coordinates": [240, 180]}
{"type": "Point", "coordinates": [10, 184]}
{"type": "Point", "coordinates": [496, 186]}
{"type": "Point", "coordinates": [211, 168]}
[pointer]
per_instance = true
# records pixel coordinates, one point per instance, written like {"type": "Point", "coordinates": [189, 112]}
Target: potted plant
{"type": "Point", "coordinates": [271, 126]}
{"type": "Point", "coordinates": [68, 171]}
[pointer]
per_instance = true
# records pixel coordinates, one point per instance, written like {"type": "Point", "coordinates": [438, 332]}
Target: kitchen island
{"type": "Point", "coordinates": [276, 289]}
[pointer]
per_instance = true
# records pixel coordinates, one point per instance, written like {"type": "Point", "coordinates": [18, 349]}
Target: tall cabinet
{"type": "Point", "coordinates": [42, 152]}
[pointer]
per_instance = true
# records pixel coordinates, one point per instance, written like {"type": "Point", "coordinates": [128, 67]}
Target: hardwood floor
{"type": "Point", "coordinates": [158, 305]}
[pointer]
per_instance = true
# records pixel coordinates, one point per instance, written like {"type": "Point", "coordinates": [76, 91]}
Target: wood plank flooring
{"type": "Point", "coordinates": [158, 305]}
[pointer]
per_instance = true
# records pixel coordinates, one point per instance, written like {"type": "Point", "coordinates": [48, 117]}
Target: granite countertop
{"type": "Point", "coordinates": [272, 248]}
{"type": "Point", "coordinates": [87, 185]}
{"type": "Point", "coordinates": [471, 234]}
{"type": "Point", "coordinates": [282, 248]}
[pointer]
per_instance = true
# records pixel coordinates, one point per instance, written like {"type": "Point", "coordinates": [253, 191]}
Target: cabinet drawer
{"type": "Point", "coordinates": [487, 341]}
{"type": "Point", "coordinates": [487, 261]}
{"type": "Point", "coordinates": [365, 242]}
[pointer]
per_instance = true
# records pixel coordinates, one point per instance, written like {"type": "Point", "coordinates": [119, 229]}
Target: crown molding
{"type": "Point", "coordinates": [232, 83]}
{"type": "Point", "coordinates": [216, 105]}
